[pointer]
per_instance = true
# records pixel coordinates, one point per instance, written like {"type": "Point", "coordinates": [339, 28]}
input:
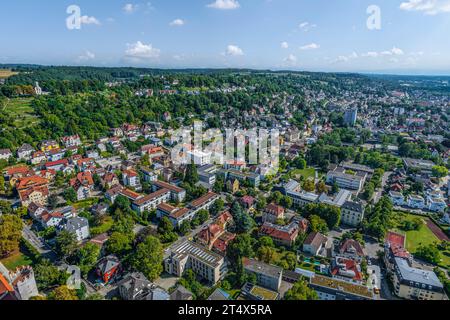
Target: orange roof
{"type": "Point", "coordinates": [4, 285]}
{"type": "Point", "coordinates": [179, 213]}
{"type": "Point", "coordinates": [151, 196]}
{"type": "Point", "coordinates": [29, 182]}
{"type": "Point", "coordinates": [165, 185]}
{"type": "Point", "coordinates": [203, 199]}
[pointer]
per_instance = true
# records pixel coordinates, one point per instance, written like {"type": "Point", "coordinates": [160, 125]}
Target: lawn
{"type": "Point", "coordinates": [423, 236]}
{"type": "Point", "coordinates": [107, 224]}
{"type": "Point", "coordinates": [308, 173]}
{"type": "Point", "coordinates": [85, 204]}
{"type": "Point", "coordinates": [22, 112]}
{"type": "Point", "coordinates": [16, 260]}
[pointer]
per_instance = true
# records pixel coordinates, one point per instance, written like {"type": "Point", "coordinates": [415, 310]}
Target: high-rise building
{"type": "Point", "coordinates": [350, 117]}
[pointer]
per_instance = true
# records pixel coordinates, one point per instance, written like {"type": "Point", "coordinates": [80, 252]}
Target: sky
{"type": "Point", "coordinates": [373, 36]}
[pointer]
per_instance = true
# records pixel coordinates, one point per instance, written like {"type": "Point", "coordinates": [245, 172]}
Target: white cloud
{"type": "Point", "coordinates": [351, 56]}
{"type": "Point", "coordinates": [141, 51]}
{"type": "Point", "coordinates": [86, 56]}
{"type": "Point", "coordinates": [224, 4]}
{"type": "Point", "coordinates": [393, 52]}
{"type": "Point", "coordinates": [284, 45]}
{"type": "Point", "coordinates": [290, 60]}
{"type": "Point", "coordinates": [430, 7]}
{"type": "Point", "coordinates": [233, 50]}
{"type": "Point", "coordinates": [177, 23]}
{"type": "Point", "coordinates": [89, 20]}
{"type": "Point", "coordinates": [311, 46]}
{"type": "Point", "coordinates": [306, 26]}
{"type": "Point", "coordinates": [130, 8]}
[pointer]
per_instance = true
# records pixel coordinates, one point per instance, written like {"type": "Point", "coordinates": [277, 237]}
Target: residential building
{"type": "Point", "coordinates": [352, 213]}
{"type": "Point", "coordinates": [281, 235]}
{"type": "Point", "coordinates": [267, 275]}
{"type": "Point", "coordinates": [25, 152]}
{"type": "Point", "coordinates": [108, 268]}
{"type": "Point", "coordinates": [315, 243]}
{"type": "Point", "coordinates": [33, 189]}
{"type": "Point", "coordinates": [397, 198]}
{"type": "Point", "coordinates": [78, 226]}
{"type": "Point", "coordinates": [83, 185]}
{"type": "Point", "coordinates": [416, 284]}
{"type": "Point", "coordinates": [20, 283]}
{"type": "Point", "coordinates": [272, 213]}
{"type": "Point", "coordinates": [416, 202]}
{"type": "Point", "coordinates": [5, 154]}
{"type": "Point", "coordinates": [135, 286]}
{"type": "Point", "coordinates": [335, 289]}
{"type": "Point", "coordinates": [350, 117]}
{"type": "Point", "coordinates": [345, 180]}
{"type": "Point", "coordinates": [151, 201]}
{"type": "Point", "coordinates": [177, 194]}
{"type": "Point", "coordinates": [189, 255]}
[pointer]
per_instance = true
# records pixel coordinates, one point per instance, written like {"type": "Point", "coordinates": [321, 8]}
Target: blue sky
{"type": "Point", "coordinates": [315, 35]}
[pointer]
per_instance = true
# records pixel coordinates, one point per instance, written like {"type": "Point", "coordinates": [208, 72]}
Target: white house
{"type": "Point", "coordinates": [397, 198]}
{"type": "Point", "coordinates": [416, 202]}
{"type": "Point", "coordinates": [436, 204]}
{"type": "Point", "coordinates": [79, 226]}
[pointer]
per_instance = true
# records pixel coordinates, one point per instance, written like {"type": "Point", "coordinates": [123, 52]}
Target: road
{"type": "Point", "coordinates": [384, 180]}
{"type": "Point", "coordinates": [39, 244]}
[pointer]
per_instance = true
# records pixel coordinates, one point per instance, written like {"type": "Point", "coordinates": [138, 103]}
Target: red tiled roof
{"type": "Point", "coordinates": [29, 182]}
{"type": "Point", "coordinates": [165, 185]}
{"type": "Point", "coordinates": [4, 285]}
{"type": "Point", "coordinates": [151, 196]}
{"type": "Point", "coordinates": [275, 210]}
{"type": "Point", "coordinates": [276, 233]}
{"type": "Point", "coordinates": [203, 199]}
{"type": "Point", "coordinates": [179, 213]}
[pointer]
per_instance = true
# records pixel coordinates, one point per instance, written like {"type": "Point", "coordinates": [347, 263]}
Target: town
{"type": "Point", "coordinates": [357, 208]}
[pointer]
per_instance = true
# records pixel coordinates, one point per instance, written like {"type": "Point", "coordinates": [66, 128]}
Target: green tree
{"type": "Point", "coordinates": [301, 291]}
{"type": "Point", "coordinates": [148, 258]}
{"type": "Point", "coordinates": [66, 243]}
{"type": "Point", "coordinates": [87, 257]}
{"type": "Point", "coordinates": [62, 293]}
{"type": "Point", "coordinates": [70, 195]}
{"type": "Point", "coordinates": [318, 224]}
{"type": "Point", "coordinates": [118, 243]}
{"type": "Point", "coordinates": [10, 233]}
{"type": "Point", "coordinates": [429, 253]}
{"type": "Point", "coordinates": [439, 171]}
{"type": "Point", "coordinates": [191, 177]}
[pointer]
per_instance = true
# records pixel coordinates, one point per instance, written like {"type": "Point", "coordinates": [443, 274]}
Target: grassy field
{"type": "Point", "coordinates": [308, 173]}
{"type": "Point", "coordinates": [16, 260]}
{"type": "Point", "coordinates": [4, 73]}
{"type": "Point", "coordinates": [22, 112]}
{"type": "Point", "coordinates": [423, 236]}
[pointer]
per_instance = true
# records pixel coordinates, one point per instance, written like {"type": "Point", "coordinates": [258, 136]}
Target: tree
{"type": "Point", "coordinates": [321, 187]}
{"type": "Point", "coordinates": [318, 224]}
{"type": "Point", "coordinates": [191, 177]}
{"type": "Point", "coordinates": [118, 243]}
{"type": "Point", "coordinates": [335, 188]}
{"type": "Point", "coordinates": [241, 246]}
{"type": "Point", "coordinates": [301, 291]}
{"type": "Point", "coordinates": [53, 201]}
{"type": "Point", "coordinates": [308, 185]}
{"type": "Point", "coordinates": [10, 233]}
{"type": "Point", "coordinates": [70, 195]}
{"type": "Point", "coordinates": [265, 254]}
{"type": "Point", "coordinates": [63, 293]}
{"type": "Point", "coordinates": [331, 214]}
{"type": "Point", "coordinates": [369, 191]}
{"type": "Point", "coordinates": [66, 243]}
{"type": "Point", "coordinates": [217, 207]}
{"type": "Point", "coordinates": [244, 222]}
{"type": "Point", "coordinates": [87, 257]}
{"type": "Point", "coordinates": [185, 227]}
{"type": "Point", "coordinates": [429, 253]}
{"type": "Point", "coordinates": [266, 241]}
{"type": "Point", "coordinates": [203, 216]}
{"type": "Point", "coordinates": [299, 163]}
{"type": "Point", "coordinates": [47, 275]}
{"type": "Point", "coordinates": [439, 171]}
{"type": "Point", "coordinates": [148, 258]}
